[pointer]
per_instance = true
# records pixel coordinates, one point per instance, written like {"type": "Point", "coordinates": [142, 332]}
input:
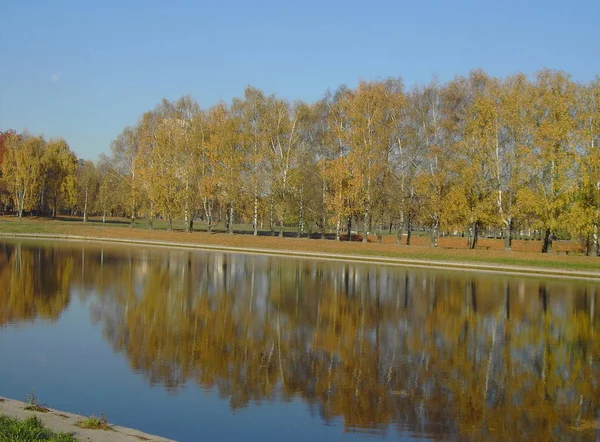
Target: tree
{"type": "Point", "coordinates": [59, 166]}
{"type": "Point", "coordinates": [283, 133]}
{"type": "Point", "coordinates": [22, 169]}
{"type": "Point", "coordinates": [125, 169]}
{"type": "Point", "coordinates": [554, 154]}
{"type": "Point", "coordinates": [475, 127]}
{"type": "Point", "coordinates": [252, 112]}
{"type": "Point", "coordinates": [342, 198]}
{"type": "Point", "coordinates": [108, 189]}
{"type": "Point", "coordinates": [434, 179]}
{"type": "Point", "coordinates": [227, 152]}
{"type": "Point", "coordinates": [366, 131]}
{"type": "Point", "coordinates": [587, 195]}
{"type": "Point", "coordinates": [4, 193]}
{"type": "Point", "coordinates": [87, 187]}
{"type": "Point", "coordinates": [513, 153]}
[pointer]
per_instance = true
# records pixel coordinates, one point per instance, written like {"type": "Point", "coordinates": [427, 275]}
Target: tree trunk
{"type": "Point", "coordinates": [255, 216]}
{"type": "Point", "coordinates": [338, 226]}
{"type": "Point", "coordinates": [596, 239]}
{"type": "Point", "coordinates": [588, 245]}
{"type": "Point", "coordinates": [208, 214]}
{"type": "Point", "coordinates": [434, 234]}
{"type": "Point", "coordinates": [547, 244]}
{"type": "Point", "coordinates": [271, 220]}
{"type": "Point", "coordinates": [324, 212]}
{"type": "Point", "coordinates": [380, 230]}
{"type": "Point", "coordinates": [301, 217]}
{"type": "Point", "coordinates": [104, 216]}
{"type": "Point", "coordinates": [399, 233]}
{"type": "Point", "coordinates": [474, 236]}
{"type": "Point", "coordinates": [151, 216]}
{"type": "Point", "coordinates": [476, 227]}
{"type": "Point", "coordinates": [169, 223]}
{"type": "Point", "coordinates": [365, 238]}
{"type": "Point", "coordinates": [349, 228]}
{"type": "Point", "coordinates": [85, 205]}
{"type": "Point", "coordinates": [508, 234]}
{"type": "Point", "coordinates": [230, 219]}
{"type": "Point", "coordinates": [408, 229]}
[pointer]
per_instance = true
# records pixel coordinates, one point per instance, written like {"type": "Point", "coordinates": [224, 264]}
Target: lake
{"type": "Point", "coordinates": [196, 345]}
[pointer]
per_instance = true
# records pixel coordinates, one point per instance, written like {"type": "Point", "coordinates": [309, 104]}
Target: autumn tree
{"type": "Point", "coordinates": [87, 187]}
{"type": "Point", "coordinates": [59, 167]}
{"type": "Point", "coordinates": [22, 170]}
{"type": "Point", "coordinates": [342, 185]}
{"type": "Point", "coordinates": [513, 152]}
{"type": "Point", "coordinates": [227, 151]}
{"type": "Point", "coordinates": [473, 122]}
{"type": "Point", "coordinates": [554, 151]}
{"type": "Point", "coordinates": [283, 137]}
{"type": "Point", "coordinates": [4, 193]}
{"type": "Point", "coordinates": [366, 131]}
{"type": "Point", "coordinates": [585, 213]}
{"type": "Point", "coordinates": [434, 180]}
{"type": "Point", "coordinates": [125, 170]}
{"type": "Point", "coordinates": [252, 114]}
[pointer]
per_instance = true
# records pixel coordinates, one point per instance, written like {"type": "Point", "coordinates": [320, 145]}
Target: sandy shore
{"type": "Point", "coordinates": [63, 422]}
{"type": "Point", "coordinates": [363, 259]}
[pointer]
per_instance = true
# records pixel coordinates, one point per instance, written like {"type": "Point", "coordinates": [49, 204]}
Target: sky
{"type": "Point", "coordinates": [85, 70]}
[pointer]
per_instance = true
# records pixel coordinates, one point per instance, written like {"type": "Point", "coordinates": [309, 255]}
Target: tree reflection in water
{"type": "Point", "coordinates": [450, 355]}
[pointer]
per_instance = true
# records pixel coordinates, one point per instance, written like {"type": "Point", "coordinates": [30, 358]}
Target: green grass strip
{"type": "Point", "coordinates": [29, 430]}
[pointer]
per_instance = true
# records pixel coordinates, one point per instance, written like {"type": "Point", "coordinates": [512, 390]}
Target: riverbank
{"type": "Point", "coordinates": [63, 422]}
{"type": "Point", "coordinates": [523, 263]}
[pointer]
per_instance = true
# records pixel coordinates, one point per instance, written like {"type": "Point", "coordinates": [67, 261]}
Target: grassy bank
{"type": "Point", "coordinates": [29, 430]}
{"type": "Point", "coordinates": [448, 252]}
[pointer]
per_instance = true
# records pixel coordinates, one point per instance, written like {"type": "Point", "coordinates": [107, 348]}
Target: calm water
{"type": "Point", "coordinates": [210, 346]}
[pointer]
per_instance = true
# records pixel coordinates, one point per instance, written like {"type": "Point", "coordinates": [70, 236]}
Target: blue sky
{"type": "Point", "coordinates": [85, 70]}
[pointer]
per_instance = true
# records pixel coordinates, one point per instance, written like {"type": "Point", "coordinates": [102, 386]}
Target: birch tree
{"type": "Point", "coordinates": [59, 167]}
{"type": "Point", "coordinates": [87, 187]}
{"type": "Point", "coordinates": [125, 169]}
{"type": "Point", "coordinates": [229, 159]}
{"type": "Point", "coordinates": [252, 111]}
{"type": "Point", "coordinates": [554, 130]}
{"type": "Point", "coordinates": [434, 182]}
{"type": "Point", "coordinates": [282, 127]}
{"type": "Point", "coordinates": [22, 170]}
{"type": "Point", "coordinates": [587, 204]}
{"type": "Point", "coordinates": [513, 150]}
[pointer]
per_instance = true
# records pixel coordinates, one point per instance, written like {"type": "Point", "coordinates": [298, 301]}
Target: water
{"type": "Point", "coordinates": [210, 346]}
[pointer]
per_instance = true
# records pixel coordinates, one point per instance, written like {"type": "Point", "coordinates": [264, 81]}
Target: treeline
{"type": "Point", "coordinates": [513, 155]}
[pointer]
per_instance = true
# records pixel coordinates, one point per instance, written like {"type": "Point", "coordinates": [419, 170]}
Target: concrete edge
{"type": "Point", "coordinates": [361, 259]}
{"type": "Point", "coordinates": [63, 422]}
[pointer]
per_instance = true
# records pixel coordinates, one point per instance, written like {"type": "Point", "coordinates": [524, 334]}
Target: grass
{"type": "Point", "coordinates": [94, 423]}
{"type": "Point", "coordinates": [451, 249]}
{"type": "Point", "coordinates": [29, 430]}
{"type": "Point", "coordinates": [33, 404]}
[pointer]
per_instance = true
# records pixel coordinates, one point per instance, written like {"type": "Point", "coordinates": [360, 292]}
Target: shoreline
{"type": "Point", "coordinates": [456, 265]}
{"type": "Point", "coordinates": [64, 422]}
